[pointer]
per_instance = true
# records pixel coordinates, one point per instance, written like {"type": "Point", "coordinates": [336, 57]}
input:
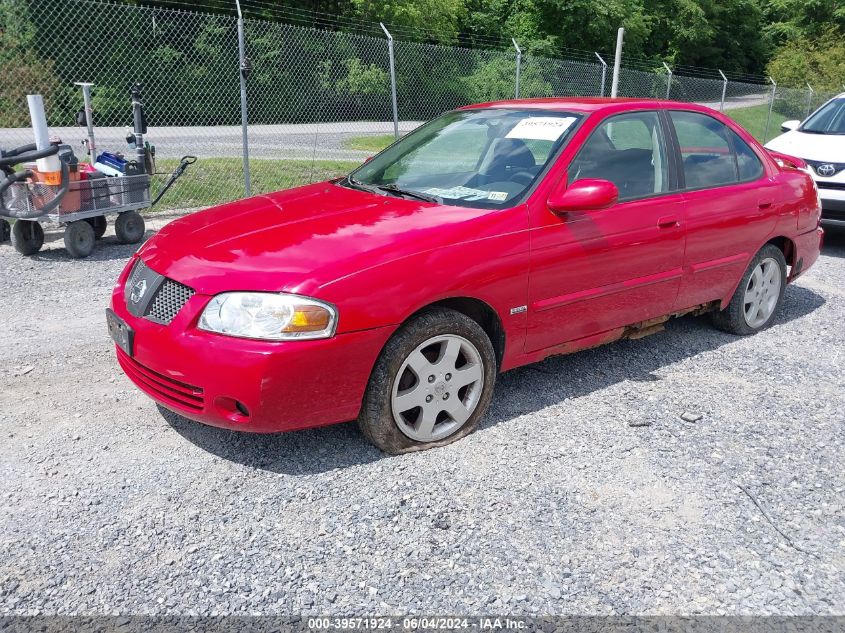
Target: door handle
{"type": "Point", "coordinates": [765, 204]}
{"type": "Point", "coordinates": [667, 222]}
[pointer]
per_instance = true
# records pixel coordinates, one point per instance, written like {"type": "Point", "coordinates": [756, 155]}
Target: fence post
{"type": "Point", "coordinates": [669, 80]}
{"type": "Point", "coordinates": [603, 73]}
{"type": "Point", "coordinates": [771, 107]}
{"type": "Point", "coordinates": [392, 80]}
{"type": "Point", "coordinates": [724, 91]}
{"type": "Point", "coordinates": [617, 61]}
{"type": "Point", "coordinates": [243, 71]}
{"type": "Point", "coordinates": [809, 99]}
{"type": "Point", "coordinates": [518, 66]}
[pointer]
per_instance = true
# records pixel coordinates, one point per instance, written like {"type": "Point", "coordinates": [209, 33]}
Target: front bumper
{"type": "Point", "coordinates": [248, 385]}
{"type": "Point", "coordinates": [833, 203]}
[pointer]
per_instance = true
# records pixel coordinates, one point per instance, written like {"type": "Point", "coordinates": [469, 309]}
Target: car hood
{"type": "Point", "coordinates": [817, 147]}
{"type": "Point", "coordinates": [300, 239]}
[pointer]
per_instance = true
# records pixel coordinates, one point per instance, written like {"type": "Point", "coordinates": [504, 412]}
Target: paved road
{"type": "Point", "coordinates": [265, 141]}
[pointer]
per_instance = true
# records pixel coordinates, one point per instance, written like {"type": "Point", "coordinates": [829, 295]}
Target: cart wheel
{"type": "Point", "coordinates": [99, 225]}
{"type": "Point", "coordinates": [129, 227]}
{"type": "Point", "coordinates": [5, 231]}
{"type": "Point", "coordinates": [27, 237]}
{"type": "Point", "coordinates": [79, 239]}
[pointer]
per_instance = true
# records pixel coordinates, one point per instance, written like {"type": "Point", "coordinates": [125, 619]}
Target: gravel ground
{"type": "Point", "coordinates": [585, 491]}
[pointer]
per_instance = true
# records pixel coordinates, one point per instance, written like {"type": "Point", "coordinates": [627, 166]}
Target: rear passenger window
{"type": "Point", "coordinates": [705, 149]}
{"type": "Point", "coordinates": [629, 151]}
{"type": "Point", "coordinates": [749, 165]}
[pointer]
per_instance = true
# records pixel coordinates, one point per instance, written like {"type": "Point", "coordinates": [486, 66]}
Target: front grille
{"type": "Point", "coordinates": [169, 299]}
{"type": "Point", "coordinates": [156, 298]}
{"type": "Point", "coordinates": [137, 271]}
{"type": "Point", "coordinates": [838, 186]}
{"type": "Point", "coordinates": [173, 392]}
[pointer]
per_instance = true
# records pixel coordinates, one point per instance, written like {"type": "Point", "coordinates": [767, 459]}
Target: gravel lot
{"type": "Point", "coordinates": [583, 492]}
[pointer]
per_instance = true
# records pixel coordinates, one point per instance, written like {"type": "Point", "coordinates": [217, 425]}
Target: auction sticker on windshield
{"type": "Point", "coordinates": [541, 128]}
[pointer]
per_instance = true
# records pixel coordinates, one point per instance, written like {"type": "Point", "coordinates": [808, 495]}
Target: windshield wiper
{"type": "Point", "coordinates": [393, 188]}
{"type": "Point", "coordinates": [357, 184]}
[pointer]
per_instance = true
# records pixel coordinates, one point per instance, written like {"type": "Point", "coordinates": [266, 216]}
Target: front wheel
{"type": "Point", "coordinates": [759, 295]}
{"type": "Point", "coordinates": [5, 231]}
{"type": "Point", "coordinates": [27, 237]}
{"type": "Point", "coordinates": [431, 385]}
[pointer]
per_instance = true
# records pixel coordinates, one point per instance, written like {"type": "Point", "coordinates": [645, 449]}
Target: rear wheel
{"type": "Point", "coordinates": [99, 224]}
{"type": "Point", "coordinates": [431, 385]}
{"type": "Point", "coordinates": [79, 239]}
{"type": "Point", "coordinates": [129, 227]}
{"type": "Point", "coordinates": [759, 295]}
{"type": "Point", "coordinates": [27, 237]}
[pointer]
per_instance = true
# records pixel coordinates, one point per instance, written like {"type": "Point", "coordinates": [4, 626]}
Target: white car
{"type": "Point", "coordinates": [820, 141]}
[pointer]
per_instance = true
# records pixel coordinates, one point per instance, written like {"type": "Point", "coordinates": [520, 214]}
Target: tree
{"type": "Point", "coordinates": [819, 61]}
{"type": "Point", "coordinates": [440, 19]}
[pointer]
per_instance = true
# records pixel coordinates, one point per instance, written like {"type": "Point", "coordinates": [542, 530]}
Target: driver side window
{"type": "Point", "coordinates": [628, 150]}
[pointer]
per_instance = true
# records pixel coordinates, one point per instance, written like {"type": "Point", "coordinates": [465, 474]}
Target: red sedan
{"type": "Point", "coordinates": [491, 237]}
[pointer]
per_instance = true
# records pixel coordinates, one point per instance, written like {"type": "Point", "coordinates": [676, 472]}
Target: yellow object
{"type": "Point", "coordinates": [308, 319]}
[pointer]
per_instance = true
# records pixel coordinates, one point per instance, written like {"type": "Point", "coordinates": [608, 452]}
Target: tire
{"type": "Point", "coordinates": [5, 231]}
{"type": "Point", "coordinates": [27, 237]}
{"type": "Point", "coordinates": [99, 224]}
{"type": "Point", "coordinates": [80, 239]}
{"type": "Point", "coordinates": [440, 343]}
{"type": "Point", "coordinates": [129, 227]}
{"type": "Point", "coordinates": [758, 297]}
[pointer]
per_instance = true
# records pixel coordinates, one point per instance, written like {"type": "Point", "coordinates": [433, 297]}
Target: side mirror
{"type": "Point", "coordinates": [588, 194]}
{"type": "Point", "coordinates": [789, 126]}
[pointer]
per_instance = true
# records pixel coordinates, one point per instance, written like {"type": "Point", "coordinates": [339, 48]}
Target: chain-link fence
{"type": "Point", "coordinates": [318, 102]}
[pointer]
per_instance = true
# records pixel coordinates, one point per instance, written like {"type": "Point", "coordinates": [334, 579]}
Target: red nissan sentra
{"type": "Point", "coordinates": [489, 238]}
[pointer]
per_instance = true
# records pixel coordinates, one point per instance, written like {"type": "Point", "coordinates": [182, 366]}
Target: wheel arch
{"type": "Point", "coordinates": [479, 311]}
{"type": "Point", "coordinates": [786, 246]}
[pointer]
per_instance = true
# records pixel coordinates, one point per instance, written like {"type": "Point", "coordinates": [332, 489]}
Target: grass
{"type": "Point", "coordinates": [212, 181]}
{"type": "Point", "coordinates": [369, 143]}
{"type": "Point", "coordinates": [753, 119]}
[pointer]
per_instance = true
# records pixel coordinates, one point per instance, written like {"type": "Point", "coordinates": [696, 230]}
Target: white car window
{"type": "Point", "coordinates": [829, 119]}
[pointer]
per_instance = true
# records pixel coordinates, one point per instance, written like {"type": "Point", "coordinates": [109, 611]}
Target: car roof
{"type": "Point", "coordinates": [585, 104]}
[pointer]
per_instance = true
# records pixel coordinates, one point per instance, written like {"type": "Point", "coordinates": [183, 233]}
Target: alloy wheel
{"type": "Point", "coordinates": [762, 293]}
{"type": "Point", "coordinates": [437, 388]}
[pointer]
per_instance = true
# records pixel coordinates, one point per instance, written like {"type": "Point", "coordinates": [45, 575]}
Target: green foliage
{"type": "Point", "coordinates": [819, 61]}
{"type": "Point", "coordinates": [440, 18]}
{"type": "Point", "coordinates": [791, 20]}
{"type": "Point", "coordinates": [24, 71]}
{"type": "Point", "coordinates": [494, 80]}
{"type": "Point", "coordinates": [356, 80]}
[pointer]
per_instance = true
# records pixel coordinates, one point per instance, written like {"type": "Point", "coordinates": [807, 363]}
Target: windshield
{"type": "Point", "coordinates": [829, 119]}
{"type": "Point", "coordinates": [478, 158]}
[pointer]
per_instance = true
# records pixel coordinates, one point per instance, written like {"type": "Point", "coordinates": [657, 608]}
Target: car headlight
{"type": "Point", "coordinates": [269, 316]}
